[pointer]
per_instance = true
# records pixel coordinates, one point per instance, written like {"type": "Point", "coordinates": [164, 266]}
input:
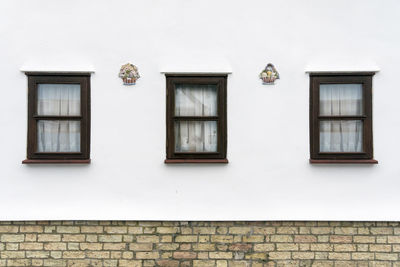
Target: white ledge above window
{"type": "Point", "coordinates": [322, 70]}
{"type": "Point", "coordinates": [58, 69]}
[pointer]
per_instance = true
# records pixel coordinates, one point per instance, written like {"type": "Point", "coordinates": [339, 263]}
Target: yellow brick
{"type": "Point", "coordinates": [141, 247]}
{"type": "Point", "coordinates": [31, 229]}
{"type": "Point", "coordinates": [238, 264]}
{"type": "Point", "coordinates": [11, 238]}
{"type": "Point", "coordinates": [264, 230]}
{"type": "Point", "coordinates": [322, 230]}
{"type": "Point", "coordinates": [135, 230]}
{"type": "Point", "coordinates": [55, 263]}
{"type": "Point", "coordinates": [147, 255]}
{"type": "Point", "coordinates": [186, 238]}
{"type": "Point", "coordinates": [287, 230]}
{"type": "Point", "coordinates": [345, 247]}
{"type": "Point", "coordinates": [393, 239]}
{"type": "Point", "coordinates": [147, 239]}
{"type": "Point", "coordinates": [8, 229]}
{"type": "Point", "coordinates": [168, 230]}
{"type": "Point", "coordinates": [281, 238]}
{"type": "Point", "coordinates": [110, 238]}
{"type": "Point", "coordinates": [256, 256]}
{"type": "Point", "coordinates": [362, 256]}
{"type": "Point", "coordinates": [12, 254]}
{"type": "Point", "coordinates": [203, 247]}
{"type": "Point", "coordinates": [73, 238]}
{"type": "Point", "coordinates": [287, 247]}
{"type": "Point", "coordinates": [345, 230]}
{"type": "Point", "coordinates": [115, 230]}
{"type": "Point", "coordinates": [203, 263]}
{"type": "Point", "coordinates": [253, 239]}
{"type": "Point", "coordinates": [55, 246]}
{"type": "Point", "coordinates": [339, 256]}
{"type": "Point", "coordinates": [167, 263]}
{"type": "Point", "coordinates": [37, 254]}
{"type": "Point", "coordinates": [279, 255]}
{"type": "Point", "coordinates": [31, 246]}
{"type": "Point", "coordinates": [91, 246]}
{"type": "Point", "coordinates": [386, 256]}
{"type": "Point", "coordinates": [98, 254]}
{"type": "Point", "coordinates": [381, 230]}
{"type": "Point", "coordinates": [302, 255]}
{"type": "Point", "coordinates": [220, 255]}
{"type": "Point", "coordinates": [68, 229]}
{"type": "Point", "coordinates": [204, 230]}
{"type": "Point", "coordinates": [240, 230]}
{"type": "Point", "coordinates": [168, 246]}
{"type": "Point", "coordinates": [222, 239]}
{"type": "Point", "coordinates": [264, 247]}
{"type": "Point", "coordinates": [130, 263]}
{"type": "Point", "coordinates": [73, 254]}
{"type": "Point", "coordinates": [92, 229]}
{"type": "Point", "coordinates": [18, 262]}
{"type": "Point", "coordinates": [380, 248]}
{"type": "Point", "coordinates": [364, 239]}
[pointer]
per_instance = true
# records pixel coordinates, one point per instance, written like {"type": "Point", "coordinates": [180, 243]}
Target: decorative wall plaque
{"type": "Point", "coordinates": [269, 74]}
{"type": "Point", "coordinates": [129, 74]}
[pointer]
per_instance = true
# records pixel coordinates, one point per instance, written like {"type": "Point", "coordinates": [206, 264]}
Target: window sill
{"type": "Point", "coordinates": [178, 161]}
{"type": "Point", "coordinates": [343, 161]}
{"type": "Point", "coordinates": [56, 161]}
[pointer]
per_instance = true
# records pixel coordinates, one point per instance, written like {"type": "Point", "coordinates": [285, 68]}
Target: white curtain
{"type": "Point", "coordinates": [196, 136]}
{"type": "Point", "coordinates": [341, 135]}
{"type": "Point", "coordinates": [58, 135]}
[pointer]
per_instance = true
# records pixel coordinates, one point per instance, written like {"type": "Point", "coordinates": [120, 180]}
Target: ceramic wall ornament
{"type": "Point", "coordinates": [269, 74]}
{"type": "Point", "coordinates": [129, 74]}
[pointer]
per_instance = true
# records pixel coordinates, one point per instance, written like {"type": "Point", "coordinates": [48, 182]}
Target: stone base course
{"type": "Point", "coordinates": [179, 244]}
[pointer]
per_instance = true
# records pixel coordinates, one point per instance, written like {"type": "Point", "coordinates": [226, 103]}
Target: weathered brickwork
{"type": "Point", "coordinates": [222, 244]}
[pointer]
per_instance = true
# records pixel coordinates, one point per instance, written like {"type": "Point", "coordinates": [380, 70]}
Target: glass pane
{"type": "Point", "coordinates": [58, 136]}
{"type": "Point", "coordinates": [59, 99]}
{"type": "Point", "coordinates": [341, 136]}
{"type": "Point", "coordinates": [195, 100]}
{"type": "Point", "coordinates": [340, 99]}
{"type": "Point", "coordinates": [196, 136]}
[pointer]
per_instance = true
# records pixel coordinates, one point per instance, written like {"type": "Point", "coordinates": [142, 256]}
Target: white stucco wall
{"type": "Point", "coordinates": [268, 177]}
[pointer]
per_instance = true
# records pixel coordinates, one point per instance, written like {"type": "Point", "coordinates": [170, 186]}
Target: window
{"type": "Point", "coordinates": [341, 118]}
{"type": "Point", "coordinates": [196, 119]}
{"type": "Point", "coordinates": [58, 118]}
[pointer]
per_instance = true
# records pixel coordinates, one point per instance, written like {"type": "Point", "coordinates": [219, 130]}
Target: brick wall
{"type": "Point", "coordinates": [105, 243]}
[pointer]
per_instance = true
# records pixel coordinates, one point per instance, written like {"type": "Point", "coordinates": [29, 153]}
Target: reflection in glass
{"type": "Point", "coordinates": [341, 136]}
{"type": "Point", "coordinates": [59, 99]}
{"type": "Point", "coordinates": [196, 136]}
{"type": "Point", "coordinates": [58, 136]}
{"type": "Point", "coordinates": [195, 100]}
{"type": "Point", "coordinates": [340, 99]}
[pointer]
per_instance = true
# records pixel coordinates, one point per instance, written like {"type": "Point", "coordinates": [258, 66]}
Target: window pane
{"type": "Point", "coordinates": [196, 136]}
{"type": "Point", "coordinates": [341, 136]}
{"type": "Point", "coordinates": [59, 99]}
{"type": "Point", "coordinates": [58, 136]}
{"type": "Point", "coordinates": [195, 100]}
{"type": "Point", "coordinates": [340, 99]}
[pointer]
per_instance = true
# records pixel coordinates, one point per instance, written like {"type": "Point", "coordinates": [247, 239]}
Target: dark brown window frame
{"type": "Point", "coordinates": [365, 78]}
{"type": "Point", "coordinates": [216, 157]}
{"type": "Point", "coordinates": [35, 78]}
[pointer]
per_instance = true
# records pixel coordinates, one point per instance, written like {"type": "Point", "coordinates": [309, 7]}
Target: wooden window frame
{"type": "Point", "coordinates": [58, 157]}
{"type": "Point", "coordinates": [334, 157]}
{"type": "Point", "coordinates": [200, 157]}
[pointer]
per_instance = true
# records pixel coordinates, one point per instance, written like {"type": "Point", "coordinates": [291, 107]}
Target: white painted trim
{"type": "Point", "coordinates": [58, 69]}
{"type": "Point", "coordinates": [341, 70]}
